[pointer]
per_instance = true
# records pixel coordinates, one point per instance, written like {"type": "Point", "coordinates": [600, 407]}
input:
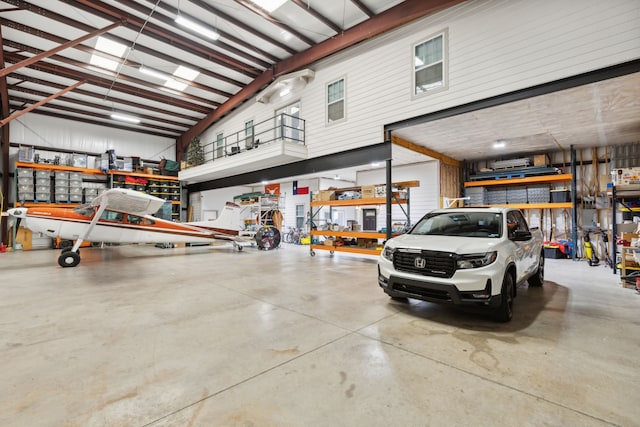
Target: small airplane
{"type": "Point", "coordinates": [124, 216]}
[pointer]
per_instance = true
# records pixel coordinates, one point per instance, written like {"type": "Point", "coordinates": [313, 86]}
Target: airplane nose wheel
{"type": "Point", "coordinates": [69, 258]}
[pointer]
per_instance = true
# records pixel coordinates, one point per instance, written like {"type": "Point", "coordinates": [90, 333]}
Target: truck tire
{"type": "Point", "coordinates": [504, 312]}
{"type": "Point", "coordinates": [538, 277]}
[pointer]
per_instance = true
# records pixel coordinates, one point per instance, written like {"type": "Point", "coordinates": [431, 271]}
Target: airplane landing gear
{"type": "Point", "coordinates": [68, 258]}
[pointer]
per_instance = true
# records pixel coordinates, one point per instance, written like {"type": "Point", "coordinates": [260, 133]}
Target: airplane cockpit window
{"type": "Point", "coordinates": [85, 210]}
{"type": "Point", "coordinates": [138, 220]}
{"type": "Point", "coordinates": [112, 216]}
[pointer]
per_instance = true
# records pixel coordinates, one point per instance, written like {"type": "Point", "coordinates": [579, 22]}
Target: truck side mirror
{"type": "Point", "coordinates": [521, 236]}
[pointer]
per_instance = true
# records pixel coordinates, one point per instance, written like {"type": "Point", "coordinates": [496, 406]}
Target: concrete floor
{"type": "Point", "coordinates": [206, 336]}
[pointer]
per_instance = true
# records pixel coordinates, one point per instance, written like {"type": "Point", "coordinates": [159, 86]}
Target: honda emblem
{"type": "Point", "coordinates": [420, 262]}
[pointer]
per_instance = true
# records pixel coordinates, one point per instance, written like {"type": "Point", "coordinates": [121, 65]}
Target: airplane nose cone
{"type": "Point", "coordinates": [18, 212]}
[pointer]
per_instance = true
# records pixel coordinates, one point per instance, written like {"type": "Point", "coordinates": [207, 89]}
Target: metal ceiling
{"type": "Point", "coordinates": [254, 47]}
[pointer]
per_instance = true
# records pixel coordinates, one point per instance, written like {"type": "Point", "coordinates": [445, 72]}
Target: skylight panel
{"type": "Point", "coordinates": [109, 46]}
{"type": "Point", "coordinates": [175, 85]}
{"type": "Point", "coordinates": [269, 5]}
{"type": "Point", "coordinates": [186, 73]}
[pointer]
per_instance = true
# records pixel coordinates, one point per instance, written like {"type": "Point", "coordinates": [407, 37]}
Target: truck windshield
{"type": "Point", "coordinates": [467, 224]}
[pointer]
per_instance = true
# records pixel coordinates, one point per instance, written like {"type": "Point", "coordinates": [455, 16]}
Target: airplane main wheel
{"type": "Point", "coordinates": [65, 250]}
{"type": "Point", "coordinates": [69, 259]}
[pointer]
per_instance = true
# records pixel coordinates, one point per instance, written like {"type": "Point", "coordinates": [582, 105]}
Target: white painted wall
{"type": "Point", "coordinates": [495, 47]}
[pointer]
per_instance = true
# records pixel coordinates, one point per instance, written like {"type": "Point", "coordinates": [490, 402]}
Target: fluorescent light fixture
{"type": "Point", "coordinates": [187, 23]}
{"type": "Point", "coordinates": [125, 118]}
{"type": "Point", "coordinates": [154, 73]}
{"type": "Point", "coordinates": [501, 143]}
{"type": "Point", "coordinates": [176, 85]}
{"type": "Point", "coordinates": [109, 46]}
{"type": "Point", "coordinates": [186, 73]}
{"type": "Point", "coordinates": [265, 182]}
{"type": "Point", "coordinates": [269, 5]}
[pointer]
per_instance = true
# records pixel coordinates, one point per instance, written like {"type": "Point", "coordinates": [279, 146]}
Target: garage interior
{"type": "Point", "coordinates": [209, 335]}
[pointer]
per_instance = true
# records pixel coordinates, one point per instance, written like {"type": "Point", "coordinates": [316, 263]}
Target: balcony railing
{"type": "Point", "coordinates": [282, 127]}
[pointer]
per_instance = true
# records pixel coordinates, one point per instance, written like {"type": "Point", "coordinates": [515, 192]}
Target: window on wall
{"type": "Point", "coordinates": [219, 145]}
{"type": "Point", "coordinates": [335, 101]}
{"type": "Point", "coordinates": [429, 65]}
{"type": "Point", "coordinates": [300, 216]}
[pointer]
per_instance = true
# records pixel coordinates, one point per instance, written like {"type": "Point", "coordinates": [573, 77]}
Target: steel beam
{"type": "Point", "coordinates": [39, 103]}
{"type": "Point", "coordinates": [51, 52]}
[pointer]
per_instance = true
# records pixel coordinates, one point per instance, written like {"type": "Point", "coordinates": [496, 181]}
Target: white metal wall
{"type": "Point", "coordinates": [40, 130]}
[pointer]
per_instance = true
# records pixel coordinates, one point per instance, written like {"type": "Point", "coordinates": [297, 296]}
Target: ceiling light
{"type": "Point", "coordinates": [501, 143]}
{"type": "Point", "coordinates": [125, 118]}
{"type": "Point", "coordinates": [154, 73]}
{"type": "Point", "coordinates": [269, 5]}
{"type": "Point", "coordinates": [176, 85]}
{"type": "Point", "coordinates": [187, 23]}
{"type": "Point", "coordinates": [186, 73]}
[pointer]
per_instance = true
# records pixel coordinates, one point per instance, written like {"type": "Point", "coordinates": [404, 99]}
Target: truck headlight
{"type": "Point", "coordinates": [387, 253]}
{"type": "Point", "coordinates": [476, 260]}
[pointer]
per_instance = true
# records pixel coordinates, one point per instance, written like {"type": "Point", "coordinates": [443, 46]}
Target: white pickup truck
{"type": "Point", "coordinates": [464, 256]}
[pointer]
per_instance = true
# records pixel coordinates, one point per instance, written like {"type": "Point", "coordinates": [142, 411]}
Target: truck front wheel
{"type": "Point", "coordinates": [504, 312]}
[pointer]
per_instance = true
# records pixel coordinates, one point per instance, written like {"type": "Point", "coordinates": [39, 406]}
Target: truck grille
{"type": "Point", "coordinates": [425, 263]}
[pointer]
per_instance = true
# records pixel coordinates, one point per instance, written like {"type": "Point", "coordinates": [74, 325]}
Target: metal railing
{"type": "Point", "coordinates": [282, 127]}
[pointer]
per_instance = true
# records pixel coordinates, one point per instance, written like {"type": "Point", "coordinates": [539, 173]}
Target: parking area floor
{"type": "Point", "coordinates": [207, 336]}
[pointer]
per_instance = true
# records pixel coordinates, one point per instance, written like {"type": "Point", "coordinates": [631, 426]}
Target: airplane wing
{"type": "Point", "coordinates": [130, 201]}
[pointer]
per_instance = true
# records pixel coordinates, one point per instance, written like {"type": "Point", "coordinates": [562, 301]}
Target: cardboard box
{"type": "Point", "coordinates": [24, 237]}
{"type": "Point", "coordinates": [368, 191]}
{"type": "Point", "coordinates": [325, 195]}
{"type": "Point", "coordinates": [627, 176]}
{"type": "Point", "coordinates": [328, 242]}
{"type": "Point", "coordinates": [540, 160]}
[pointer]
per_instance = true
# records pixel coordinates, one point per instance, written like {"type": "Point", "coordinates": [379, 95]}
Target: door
{"type": "Point", "coordinates": [369, 219]}
{"type": "Point", "coordinates": [288, 122]}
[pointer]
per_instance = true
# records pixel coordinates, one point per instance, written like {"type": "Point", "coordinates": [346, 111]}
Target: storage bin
{"type": "Point", "coordinates": [75, 182]}
{"type": "Point", "coordinates": [25, 179]}
{"type": "Point", "coordinates": [61, 182]}
{"type": "Point", "coordinates": [61, 189]}
{"type": "Point", "coordinates": [75, 190]}
{"type": "Point", "coordinates": [43, 197]}
{"type": "Point", "coordinates": [25, 172]}
{"type": "Point", "coordinates": [43, 189]}
{"type": "Point", "coordinates": [24, 188]}
{"type": "Point", "coordinates": [560, 196]}
{"type": "Point", "coordinates": [43, 174]}
{"type": "Point", "coordinates": [25, 195]}
{"type": "Point", "coordinates": [538, 193]}
{"type": "Point", "coordinates": [62, 197]}
{"type": "Point", "coordinates": [75, 176]}
{"type": "Point", "coordinates": [76, 198]}
{"type": "Point", "coordinates": [43, 181]}
{"type": "Point", "coordinates": [61, 175]}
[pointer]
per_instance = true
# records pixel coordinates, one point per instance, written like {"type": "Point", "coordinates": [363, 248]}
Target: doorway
{"type": "Point", "coordinates": [369, 222]}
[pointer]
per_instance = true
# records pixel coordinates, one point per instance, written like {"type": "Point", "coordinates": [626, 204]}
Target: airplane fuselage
{"type": "Point", "coordinates": [113, 226]}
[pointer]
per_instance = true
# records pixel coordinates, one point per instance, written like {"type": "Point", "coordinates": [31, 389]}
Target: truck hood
{"type": "Point", "coordinates": [456, 244]}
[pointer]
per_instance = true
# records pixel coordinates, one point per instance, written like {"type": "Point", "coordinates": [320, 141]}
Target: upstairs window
{"type": "Point", "coordinates": [429, 65]}
{"type": "Point", "coordinates": [335, 101]}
